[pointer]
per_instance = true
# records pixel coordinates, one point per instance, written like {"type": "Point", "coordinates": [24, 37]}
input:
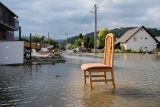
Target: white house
{"type": "Point", "coordinates": [158, 38]}
{"type": "Point", "coordinates": [138, 39]}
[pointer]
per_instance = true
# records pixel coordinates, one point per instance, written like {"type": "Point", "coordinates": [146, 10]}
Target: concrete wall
{"type": "Point", "coordinates": [141, 40]}
{"type": "Point", "coordinates": [11, 52]}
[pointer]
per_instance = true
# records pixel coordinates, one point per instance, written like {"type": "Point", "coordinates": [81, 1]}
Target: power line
{"type": "Point", "coordinates": [100, 2]}
{"type": "Point", "coordinates": [84, 19]}
{"type": "Point", "coordinates": [93, 1]}
{"type": "Point", "coordinates": [97, 2]}
{"type": "Point", "coordinates": [95, 28]}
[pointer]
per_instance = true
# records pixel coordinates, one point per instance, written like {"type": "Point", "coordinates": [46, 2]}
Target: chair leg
{"type": "Point", "coordinates": [85, 77]}
{"type": "Point", "coordinates": [90, 78]}
{"type": "Point", "coordinates": [113, 81]}
{"type": "Point", "coordinates": [105, 77]}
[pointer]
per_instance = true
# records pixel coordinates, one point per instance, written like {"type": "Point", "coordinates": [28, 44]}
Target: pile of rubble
{"type": "Point", "coordinates": [45, 57]}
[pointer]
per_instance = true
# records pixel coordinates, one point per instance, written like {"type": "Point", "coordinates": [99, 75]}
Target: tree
{"type": "Point", "coordinates": [78, 42]}
{"type": "Point", "coordinates": [101, 37]}
{"type": "Point", "coordinates": [86, 42]}
{"type": "Point", "coordinates": [91, 44]}
{"type": "Point", "coordinates": [80, 36]}
{"type": "Point", "coordinates": [36, 38]}
{"type": "Point", "coordinates": [51, 42]}
{"type": "Point", "coordinates": [24, 38]}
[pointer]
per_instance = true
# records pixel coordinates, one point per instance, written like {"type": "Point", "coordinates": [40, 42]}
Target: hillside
{"type": "Point", "coordinates": [118, 32]}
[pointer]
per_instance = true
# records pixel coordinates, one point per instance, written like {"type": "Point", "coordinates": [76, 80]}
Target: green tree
{"type": "Point", "coordinates": [91, 43]}
{"type": "Point", "coordinates": [78, 42]}
{"type": "Point", "coordinates": [86, 42]}
{"type": "Point", "coordinates": [101, 37]}
{"type": "Point", "coordinates": [50, 41]}
{"type": "Point", "coordinates": [35, 38]}
{"type": "Point", "coordinates": [80, 36]}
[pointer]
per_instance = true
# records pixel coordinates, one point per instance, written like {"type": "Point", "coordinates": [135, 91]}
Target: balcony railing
{"type": "Point", "coordinates": [11, 22]}
{"type": "Point", "coordinates": [16, 24]}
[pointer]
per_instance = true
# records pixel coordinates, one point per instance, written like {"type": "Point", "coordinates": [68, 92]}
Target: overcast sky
{"type": "Point", "coordinates": [73, 16]}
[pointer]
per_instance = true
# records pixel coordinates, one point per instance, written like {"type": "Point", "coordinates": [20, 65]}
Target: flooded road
{"type": "Point", "coordinates": [61, 85]}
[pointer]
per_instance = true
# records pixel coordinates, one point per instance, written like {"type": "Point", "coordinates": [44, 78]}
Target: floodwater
{"type": "Point", "coordinates": [61, 85]}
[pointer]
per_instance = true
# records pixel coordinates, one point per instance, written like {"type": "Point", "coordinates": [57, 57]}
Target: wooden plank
{"type": "Point", "coordinates": [98, 80]}
{"type": "Point", "coordinates": [109, 79]}
{"type": "Point", "coordinates": [86, 75]}
{"type": "Point", "coordinates": [96, 75]}
{"type": "Point", "coordinates": [33, 45]}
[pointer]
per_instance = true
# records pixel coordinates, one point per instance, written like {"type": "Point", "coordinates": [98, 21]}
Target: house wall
{"type": "Point", "coordinates": [10, 35]}
{"type": "Point", "coordinates": [1, 38]}
{"type": "Point", "coordinates": [7, 35]}
{"type": "Point", "coordinates": [141, 41]}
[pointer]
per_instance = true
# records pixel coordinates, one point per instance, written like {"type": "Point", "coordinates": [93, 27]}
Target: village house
{"type": "Point", "coordinates": [138, 39]}
{"type": "Point", "coordinates": [158, 38]}
{"type": "Point", "coordinates": [11, 51]}
{"type": "Point", "coordinates": [8, 23]}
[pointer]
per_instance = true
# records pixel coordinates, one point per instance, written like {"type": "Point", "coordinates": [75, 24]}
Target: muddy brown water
{"type": "Point", "coordinates": [61, 85]}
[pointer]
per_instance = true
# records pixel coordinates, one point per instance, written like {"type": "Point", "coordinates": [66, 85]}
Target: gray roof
{"type": "Point", "coordinates": [126, 36]}
{"type": "Point", "coordinates": [2, 5]}
{"type": "Point", "coordinates": [158, 38]}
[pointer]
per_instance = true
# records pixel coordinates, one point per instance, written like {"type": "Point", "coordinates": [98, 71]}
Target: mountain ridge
{"type": "Point", "coordinates": [118, 32]}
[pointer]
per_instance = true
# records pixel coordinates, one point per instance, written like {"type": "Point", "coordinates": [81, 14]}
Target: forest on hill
{"type": "Point", "coordinates": [88, 39]}
{"type": "Point", "coordinates": [118, 32]}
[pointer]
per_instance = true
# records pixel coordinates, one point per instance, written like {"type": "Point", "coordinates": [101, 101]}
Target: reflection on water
{"type": "Point", "coordinates": [61, 85]}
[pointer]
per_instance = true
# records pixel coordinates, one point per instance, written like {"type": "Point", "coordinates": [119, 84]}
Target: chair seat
{"type": "Point", "coordinates": [87, 66]}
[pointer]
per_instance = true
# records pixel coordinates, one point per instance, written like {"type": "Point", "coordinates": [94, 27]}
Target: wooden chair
{"type": "Point", "coordinates": [91, 68]}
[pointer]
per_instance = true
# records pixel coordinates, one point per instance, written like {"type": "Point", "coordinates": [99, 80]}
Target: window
{"type": "Point", "coordinates": [134, 39]}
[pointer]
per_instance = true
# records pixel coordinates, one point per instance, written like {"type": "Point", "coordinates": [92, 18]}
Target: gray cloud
{"type": "Point", "coordinates": [65, 16]}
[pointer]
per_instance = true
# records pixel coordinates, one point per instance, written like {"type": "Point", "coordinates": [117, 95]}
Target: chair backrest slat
{"type": "Point", "coordinates": [109, 50]}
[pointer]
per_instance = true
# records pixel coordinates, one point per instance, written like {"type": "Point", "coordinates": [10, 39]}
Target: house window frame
{"type": "Point", "coordinates": [134, 39]}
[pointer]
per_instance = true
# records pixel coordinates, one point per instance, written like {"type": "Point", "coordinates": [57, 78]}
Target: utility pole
{"type": "Point", "coordinates": [48, 38]}
{"type": "Point", "coordinates": [95, 29]}
{"type": "Point", "coordinates": [30, 52]}
{"type": "Point", "coordinates": [59, 44]}
{"type": "Point", "coordinates": [66, 41]}
{"type": "Point", "coordinates": [20, 36]}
